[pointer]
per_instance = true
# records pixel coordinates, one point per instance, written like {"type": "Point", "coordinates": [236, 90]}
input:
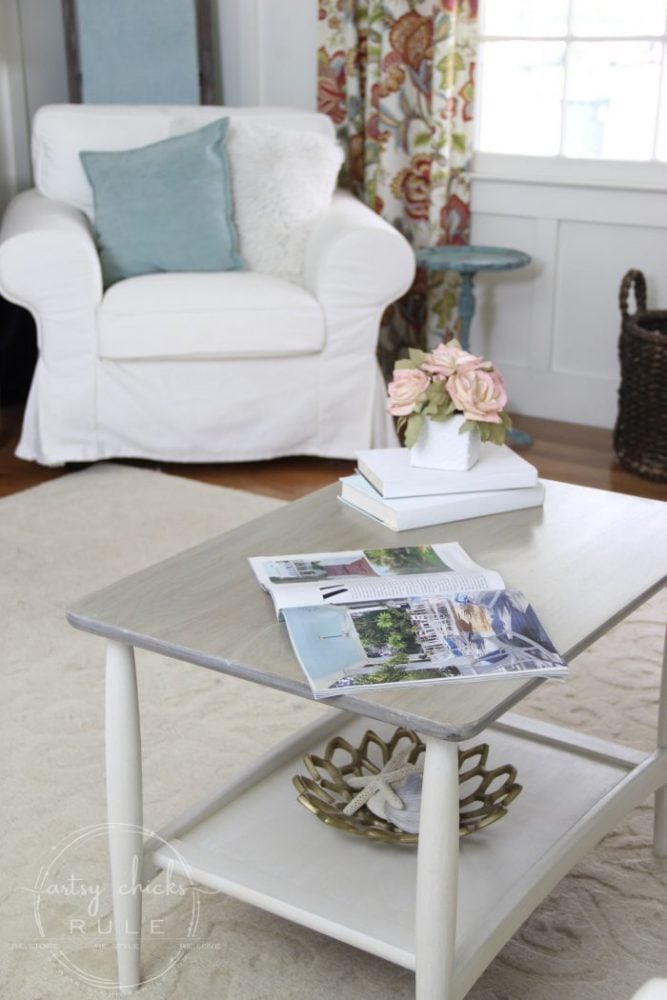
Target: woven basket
{"type": "Point", "coordinates": [640, 434]}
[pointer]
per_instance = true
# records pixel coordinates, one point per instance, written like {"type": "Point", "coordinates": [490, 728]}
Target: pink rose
{"type": "Point", "coordinates": [449, 358]}
{"type": "Point", "coordinates": [478, 394]}
{"type": "Point", "coordinates": [407, 390]}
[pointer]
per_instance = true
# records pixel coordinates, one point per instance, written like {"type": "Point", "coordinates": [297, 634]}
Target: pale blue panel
{"type": "Point", "coordinates": [138, 51]}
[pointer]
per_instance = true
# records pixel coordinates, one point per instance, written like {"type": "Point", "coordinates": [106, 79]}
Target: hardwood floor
{"type": "Point", "coordinates": [569, 453]}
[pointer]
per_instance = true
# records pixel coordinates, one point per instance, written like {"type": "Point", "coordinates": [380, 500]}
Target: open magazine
{"type": "Point", "coordinates": [373, 618]}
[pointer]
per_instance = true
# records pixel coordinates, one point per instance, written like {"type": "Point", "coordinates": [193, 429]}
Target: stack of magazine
{"type": "Point", "coordinates": [399, 495]}
{"type": "Point", "coordinates": [392, 617]}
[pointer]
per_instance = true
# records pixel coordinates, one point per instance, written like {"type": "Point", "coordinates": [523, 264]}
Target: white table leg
{"type": "Point", "coordinates": [660, 812]}
{"type": "Point", "coordinates": [437, 871]}
{"type": "Point", "coordinates": [124, 807]}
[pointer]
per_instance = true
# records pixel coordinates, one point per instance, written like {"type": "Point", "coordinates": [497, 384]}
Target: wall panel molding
{"type": "Point", "coordinates": [558, 346]}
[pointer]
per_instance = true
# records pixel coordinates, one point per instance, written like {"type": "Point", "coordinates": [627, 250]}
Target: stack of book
{"type": "Point", "coordinates": [388, 488]}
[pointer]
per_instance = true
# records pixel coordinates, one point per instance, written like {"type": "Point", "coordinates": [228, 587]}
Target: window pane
{"type": "Point", "coordinates": [618, 17]}
{"type": "Point", "coordinates": [611, 101]}
{"type": "Point", "coordinates": [520, 97]}
{"type": "Point", "coordinates": [518, 18]}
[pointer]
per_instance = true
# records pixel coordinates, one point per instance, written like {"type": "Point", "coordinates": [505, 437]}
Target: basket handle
{"type": "Point", "coordinates": [633, 280]}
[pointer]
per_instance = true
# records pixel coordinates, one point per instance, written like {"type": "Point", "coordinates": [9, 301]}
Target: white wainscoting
{"type": "Point", "coordinates": [553, 328]}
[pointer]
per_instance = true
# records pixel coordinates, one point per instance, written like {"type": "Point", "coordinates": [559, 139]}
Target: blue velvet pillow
{"type": "Point", "coordinates": [166, 206]}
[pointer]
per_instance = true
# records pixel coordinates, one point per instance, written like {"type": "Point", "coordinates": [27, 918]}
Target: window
{"type": "Point", "coordinates": [573, 79]}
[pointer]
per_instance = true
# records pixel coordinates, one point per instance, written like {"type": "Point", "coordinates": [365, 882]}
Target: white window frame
{"type": "Point", "coordinates": [561, 169]}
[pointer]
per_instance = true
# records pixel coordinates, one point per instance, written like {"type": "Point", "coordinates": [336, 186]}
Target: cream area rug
{"type": "Point", "coordinates": [598, 936]}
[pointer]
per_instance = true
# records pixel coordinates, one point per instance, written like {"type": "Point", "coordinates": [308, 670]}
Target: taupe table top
{"type": "Point", "coordinates": [584, 561]}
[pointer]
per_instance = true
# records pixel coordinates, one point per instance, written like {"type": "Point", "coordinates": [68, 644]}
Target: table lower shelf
{"type": "Point", "coordinates": [253, 841]}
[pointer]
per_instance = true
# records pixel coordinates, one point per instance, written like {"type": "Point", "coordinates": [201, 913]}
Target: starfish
{"type": "Point", "coordinates": [396, 768]}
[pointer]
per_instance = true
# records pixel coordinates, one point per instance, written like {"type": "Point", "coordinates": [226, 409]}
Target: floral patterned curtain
{"type": "Point", "coordinates": [397, 79]}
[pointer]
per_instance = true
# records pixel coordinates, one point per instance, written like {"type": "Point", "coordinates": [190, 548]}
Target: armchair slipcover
{"type": "Point", "coordinates": [208, 367]}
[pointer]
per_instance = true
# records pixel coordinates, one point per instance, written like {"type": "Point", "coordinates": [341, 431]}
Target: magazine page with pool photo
{"type": "Point", "coordinates": [403, 617]}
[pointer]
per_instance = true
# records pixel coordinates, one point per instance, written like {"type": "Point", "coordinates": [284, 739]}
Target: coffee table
{"type": "Point", "coordinates": [585, 560]}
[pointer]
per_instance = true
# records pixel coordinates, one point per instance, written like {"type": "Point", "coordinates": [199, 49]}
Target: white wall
{"type": "Point", "coordinates": [269, 52]}
{"type": "Point", "coordinates": [32, 72]}
{"type": "Point", "coordinates": [14, 159]}
{"type": "Point", "coordinates": [43, 52]}
{"type": "Point", "coordinates": [551, 328]}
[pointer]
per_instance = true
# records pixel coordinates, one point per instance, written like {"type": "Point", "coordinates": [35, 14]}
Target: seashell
{"type": "Point", "coordinates": [406, 818]}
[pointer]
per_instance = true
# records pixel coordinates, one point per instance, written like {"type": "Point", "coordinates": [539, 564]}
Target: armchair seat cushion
{"type": "Point", "coordinates": [233, 314]}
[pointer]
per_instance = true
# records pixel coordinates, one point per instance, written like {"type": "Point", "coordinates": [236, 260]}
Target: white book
{"type": "Point", "coordinates": [401, 513]}
{"type": "Point", "coordinates": [498, 468]}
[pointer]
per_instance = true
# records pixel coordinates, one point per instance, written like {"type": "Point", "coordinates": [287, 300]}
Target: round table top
{"type": "Point", "coordinates": [470, 259]}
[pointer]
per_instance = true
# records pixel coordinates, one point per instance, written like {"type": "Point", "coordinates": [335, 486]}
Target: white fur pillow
{"type": "Point", "coordinates": [282, 182]}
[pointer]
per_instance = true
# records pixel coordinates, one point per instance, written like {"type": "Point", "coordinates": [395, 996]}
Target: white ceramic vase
{"type": "Point", "coordinates": [440, 446]}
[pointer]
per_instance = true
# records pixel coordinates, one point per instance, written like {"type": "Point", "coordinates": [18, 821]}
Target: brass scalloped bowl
{"type": "Point", "coordinates": [486, 792]}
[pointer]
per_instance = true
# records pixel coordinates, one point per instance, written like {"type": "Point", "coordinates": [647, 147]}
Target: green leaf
{"type": "Point", "coordinates": [413, 427]}
{"type": "Point", "coordinates": [459, 142]}
{"type": "Point", "coordinates": [442, 66]}
{"type": "Point", "coordinates": [432, 410]}
{"type": "Point", "coordinates": [495, 433]}
{"type": "Point", "coordinates": [417, 356]}
{"type": "Point", "coordinates": [405, 363]}
{"type": "Point", "coordinates": [436, 400]}
{"type": "Point", "coordinates": [422, 139]}
{"type": "Point", "coordinates": [438, 393]}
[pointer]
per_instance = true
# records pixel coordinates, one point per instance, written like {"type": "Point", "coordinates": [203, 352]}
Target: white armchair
{"type": "Point", "coordinates": [210, 366]}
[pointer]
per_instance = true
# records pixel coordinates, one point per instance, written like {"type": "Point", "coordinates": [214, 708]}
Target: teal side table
{"type": "Point", "coordinates": [467, 261]}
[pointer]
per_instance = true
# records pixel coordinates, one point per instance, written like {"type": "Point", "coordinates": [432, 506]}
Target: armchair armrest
{"type": "Point", "coordinates": [48, 259]}
{"type": "Point", "coordinates": [355, 257]}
